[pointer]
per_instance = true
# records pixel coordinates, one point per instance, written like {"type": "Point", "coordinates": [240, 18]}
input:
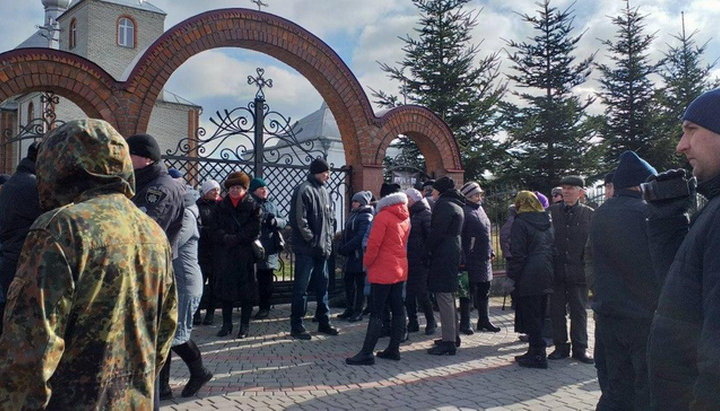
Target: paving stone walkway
{"type": "Point", "coordinates": [271, 371]}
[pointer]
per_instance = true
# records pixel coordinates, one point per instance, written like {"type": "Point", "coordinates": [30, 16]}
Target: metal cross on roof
{"type": "Point", "coordinates": [261, 82]}
{"type": "Point", "coordinates": [260, 4]}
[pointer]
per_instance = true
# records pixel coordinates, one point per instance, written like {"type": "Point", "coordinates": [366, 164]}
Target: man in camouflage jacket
{"type": "Point", "coordinates": [93, 309]}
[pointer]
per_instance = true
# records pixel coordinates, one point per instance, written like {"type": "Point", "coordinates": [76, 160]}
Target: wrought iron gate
{"type": "Point", "coordinates": [262, 143]}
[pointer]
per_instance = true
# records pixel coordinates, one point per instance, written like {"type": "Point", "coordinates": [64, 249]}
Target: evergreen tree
{"type": "Point", "coordinates": [442, 71]}
{"type": "Point", "coordinates": [685, 78]}
{"type": "Point", "coordinates": [627, 90]}
{"type": "Point", "coordinates": [549, 133]}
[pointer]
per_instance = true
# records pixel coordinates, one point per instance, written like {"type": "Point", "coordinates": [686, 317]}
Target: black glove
{"type": "Point", "coordinates": [670, 193]}
{"type": "Point", "coordinates": [231, 240]}
{"type": "Point", "coordinates": [271, 221]}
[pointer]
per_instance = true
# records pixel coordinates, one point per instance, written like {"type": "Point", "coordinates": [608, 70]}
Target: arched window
{"type": "Point", "coordinates": [126, 32]}
{"type": "Point", "coordinates": [72, 35]}
{"type": "Point", "coordinates": [30, 112]}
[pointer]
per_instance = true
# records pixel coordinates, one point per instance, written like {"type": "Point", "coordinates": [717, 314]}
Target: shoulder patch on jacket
{"type": "Point", "coordinates": [154, 195]}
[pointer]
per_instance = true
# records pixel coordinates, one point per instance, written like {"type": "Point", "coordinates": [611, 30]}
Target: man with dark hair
{"type": "Point", "coordinates": [683, 349]}
{"type": "Point", "coordinates": [312, 223]}
{"type": "Point", "coordinates": [19, 207]}
{"type": "Point", "coordinates": [625, 289]}
{"type": "Point", "coordinates": [571, 222]}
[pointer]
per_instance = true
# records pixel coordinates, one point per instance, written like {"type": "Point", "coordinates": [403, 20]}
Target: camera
{"type": "Point", "coordinates": [667, 189]}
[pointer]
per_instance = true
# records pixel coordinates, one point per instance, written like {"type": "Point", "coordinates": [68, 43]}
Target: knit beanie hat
{"type": "Point", "coordinates": [144, 145]}
{"type": "Point", "coordinates": [319, 165]}
{"type": "Point", "coordinates": [576, 181]}
{"type": "Point", "coordinates": [237, 178]}
{"type": "Point", "coordinates": [414, 194]}
{"type": "Point", "coordinates": [632, 171]}
{"type": "Point", "coordinates": [470, 188]}
{"type": "Point", "coordinates": [256, 183]}
{"type": "Point", "coordinates": [444, 184]}
{"type": "Point", "coordinates": [208, 185]}
{"type": "Point", "coordinates": [705, 111]}
{"type": "Point", "coordinates": [389, 188]}
{"type": "Point", "coordinates": [362, 197]}
{"type": "Point", "coordinates": [609, 177]}
{"type": "Point", "coordinates": [542, 199]}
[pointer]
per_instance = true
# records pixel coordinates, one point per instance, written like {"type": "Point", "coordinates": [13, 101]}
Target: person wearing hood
{"type": "Point", "coordinates": [158, 194]}
{"type": "Point", "coordinates": [387, 268]}
{"type": "Point", "coordinates": [530, 267]}
{"type": "Point", "coordinates": [477, 259]}
{"type": "Point", "coordinates": [444, 252]}
{"type": "Point", "coordinates": [626, 288]}
{"type": "Point", "coordinates": [311, 220]}
{"type": "Point", "coordinates": [356, 226]}
{"type": "Point", "coordinates": [19, 207]}
{"type": "Point", "coordinates": [207, 206]}
{"type": "Point", "coordinates": [272, 223]}
{"type": "Point", "coordinates": [416, 290]}
{"type": "Point", "coordinates": [237, 226]}
{"type": "Point", "coordinates": [189, 285]}
{"type": "Point", "coordinates": [85, 329]}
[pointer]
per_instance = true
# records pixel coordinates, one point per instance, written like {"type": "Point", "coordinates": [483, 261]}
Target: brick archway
{"type": "Point", "coordinates": [128, 104]}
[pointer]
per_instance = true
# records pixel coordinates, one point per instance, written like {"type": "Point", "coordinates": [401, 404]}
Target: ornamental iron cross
{"type": "Point", "coordinates": [261, 82]}
{"type": "Point", "coordinates": [260, 4]}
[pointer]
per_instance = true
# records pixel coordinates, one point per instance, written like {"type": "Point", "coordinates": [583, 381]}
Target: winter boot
{"type": "Point", "coordinates": [561, 351]}
{"type": "Point", "coordinates": [444, 348]}
{"type": "Point", "coordinates": [412, 325]}
{"type": "Point", "coordinates": [197, 318]}
{"type": "Point", "coordinates": [483, 307]}
{"type": "Point", "coordinates": [365, 356]}
{"type": "Point", "coordinates": [398, 334]}
{"type": "Point", "coordinates": [209, 316]}
{"type": "Point", "coordinates": [164, 380]}
{"type": "Point", "coordinates": [536, 359]}
{"type": "Point", "coordinates": [244, 330]}
{"type": "Point", "coordinates": [465, 317]}
{"type": "Point", "coordinates": [225, 330]}
{"type": "Point", "coordinates": [199, 375]}
{"type": "Point", "coordinates": [526, 355]}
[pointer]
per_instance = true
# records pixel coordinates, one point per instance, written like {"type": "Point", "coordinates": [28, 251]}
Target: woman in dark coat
{"type": "Point", "coordinates": [416, 290]}
{"type": "Point", "coordinates": [357, 224]}
{"type": "Point", "coordinates": [477, 258]}
{"type": "Point", "coordinates": [530, 266]}
{"type": "Point", "coordinates": [443, 246]}
{"type": "Point", "coordinates": [207, 204]}
{"type": "Point", "coordinates": [237, 227]}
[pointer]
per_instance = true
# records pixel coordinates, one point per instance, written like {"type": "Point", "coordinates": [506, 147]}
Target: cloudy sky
{"type": "Point", "coordinates": [365, 32]}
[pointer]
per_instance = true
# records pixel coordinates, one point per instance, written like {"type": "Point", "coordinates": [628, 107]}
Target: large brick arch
{"type": "Point", "coordinates": [68, 75]}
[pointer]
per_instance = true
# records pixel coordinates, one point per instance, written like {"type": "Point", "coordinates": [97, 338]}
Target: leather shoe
{"type": "Point", "coordinates": [300, 335]}
{"type": "Point", "coordinates": [440, 341]}
{"type": "Point", "coordinates": [561, 351]}
{"type": "Point", "coordinates": [388, 355]}
{"type": "Point", "coordinates": [583, 357]}
{"type": "Point", "coordinates": [225, 330]}
{"type": "Point", "coordinates": [262, 313]}
{"type": "Point", "coordinates": [328, 329]}
{"type": "Point", "coordinates": [355, 318]}
{"type": "Point", "coordinates": [467, 331]}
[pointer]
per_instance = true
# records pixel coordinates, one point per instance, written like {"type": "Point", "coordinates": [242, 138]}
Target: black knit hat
{"type": "Point", "coordinates": [632, 171]}
{"type": "Point", "coordinates": [319, 165]}
{"type": "Point", "coordinates": [444, 184]}
{"type": "Point", "coordinates": [144, 145]}
{"type": "Point", "coordinates": [705, 111]}
{"type": "Point", "coordinates": [609, 177]}
{"type": "Point", "coordinates": [389, 188]}
{"type": "Point", "coordinates": [576, 181]}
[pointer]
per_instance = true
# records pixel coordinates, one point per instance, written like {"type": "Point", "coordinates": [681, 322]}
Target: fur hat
{"type": "Point", "coordinates": [208, 185]}
{"type": "Point", "coordinates": [705, 111]}
{"type": "Point", "coordinates": [632, 171]}
{"type": "Point", "coordinates": [576, 181]}
{"type": "Point", "coordinates": [237, 178]}
{"type": "Point", "coordinates": [319, 165]}
{"type": "Point", "coordinates": [444, 184]}
{"type": "Point", "coordinates": [144, 145]}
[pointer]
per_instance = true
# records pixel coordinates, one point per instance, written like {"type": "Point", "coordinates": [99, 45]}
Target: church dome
{"type": "Point", "coordinates": [62, 4]}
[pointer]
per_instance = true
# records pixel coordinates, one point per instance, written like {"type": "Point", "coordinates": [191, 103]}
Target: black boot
{"type": "Point", "coordinates": [397, 335]}
{"type": "Point", "coordinates": [199, 375]}
{"type": "Point", "coordinates": [365, 356]}
{"type": "Point", "coordinates": [244, 330]}
{"type": "Point", "coordinates": [225, 330]}
{"type": "Point", "coordinates": [227, 326]}
{"type": "Point", "coordinates": [430, 324]}
{"type": "Point", "coordinates": [413, 325]}
{"type": "Point", "coordinates": [483, 307]}
{"type": "Point", "coordinates": [197, 318]}
{"type": "Point", "coordinates": [535, 359]}
{"type": "Point", "coordinates": [444, 348]}
{"type": "Point", "coordinates": [465, 317]}
{"type": "Point", "coordinates": [164, 380]}
{"type": "Point", "coordinates": [561, 351]}
{"type": "Point", "coordinates": [457, 341]}
{"type": "Point", "coordinates": [209, 316]}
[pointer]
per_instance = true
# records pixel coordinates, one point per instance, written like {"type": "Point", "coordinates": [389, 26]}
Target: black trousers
{"type": "Point", "coordinates": [530, 317]}
{"type": "Point", "coordinates": [354, 285]}
{"type": "Point", "coordinates": [624, 342]}
{"type": "Point", "coordinates": [208, 273]}
{"type": "Point", "coordinates": [266, 286]}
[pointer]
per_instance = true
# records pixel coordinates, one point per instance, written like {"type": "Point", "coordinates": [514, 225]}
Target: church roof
{"type": "Point", "coordinates": [36, 40]}
{"type": "Point", "coordinates": [319, 124]}
{"type": "Point", "coordinates": [136, 4]}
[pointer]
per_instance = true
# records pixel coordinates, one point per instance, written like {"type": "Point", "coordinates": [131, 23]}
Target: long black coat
{"type": "Point", "coordinates": [357, 224]}
{"type": "Point", "coordinates": [477, 248]}
{"type": "Point", "coordinates": [683, 349]}
{"type": "Point", "coordinates": [531, 245]}
{"type": "Point", "coordinates": [420, 220]}
{"type": "Point", "coordinates": [443, 244]}
{"type": "Point", "coordinates": [572, 227]}
{"type": "Point", "coordinates": [236, 228]}
{"type": "Point", "coordinates": [206, 249]}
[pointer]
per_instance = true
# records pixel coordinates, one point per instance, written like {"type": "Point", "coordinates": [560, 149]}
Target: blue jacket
{"type": "Point", "coordinates": [477, 249]}
{"type": "Point", "coordinates": [356, 226]}
{"type": "Point", "coordinates": [267, 207]}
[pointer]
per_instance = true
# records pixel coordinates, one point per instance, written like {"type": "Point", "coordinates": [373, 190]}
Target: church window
{"type": "Point", "coordinates": [126, 32]}
{"type": "Point", "coordinates": [72, 40]}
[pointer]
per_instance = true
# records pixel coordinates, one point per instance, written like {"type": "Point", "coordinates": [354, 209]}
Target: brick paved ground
{"type": "Point", "coordinates": [271, 371]}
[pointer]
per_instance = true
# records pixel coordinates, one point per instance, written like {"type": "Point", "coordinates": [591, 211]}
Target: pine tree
{"type": "Point", "coordinates": [685, 78]}
{"type": "Point", "coordinates": [627, 91]}
{"type": "Point", "coordinates": [442, 71]}
{"type": "Point", "coordinates": [549, 133]}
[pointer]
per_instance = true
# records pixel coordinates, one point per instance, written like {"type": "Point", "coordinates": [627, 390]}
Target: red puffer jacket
{"type": "Point", "coordinates": [386, 254]}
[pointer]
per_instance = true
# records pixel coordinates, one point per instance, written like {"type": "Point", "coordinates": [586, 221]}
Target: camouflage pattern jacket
{"type": "Point", "coordinates": [93, 309]}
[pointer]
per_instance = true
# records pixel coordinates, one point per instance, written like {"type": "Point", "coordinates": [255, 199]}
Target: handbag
{"type": "Point", "coordinates": [258, 250]}
{"type": "Point", "coordinates": [463, 285]}
{"type": "Point", "coordinates": [278, 242]}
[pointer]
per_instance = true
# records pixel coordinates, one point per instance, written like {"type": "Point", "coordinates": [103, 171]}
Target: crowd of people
{"type": "Point", "coordinates": [106, 257]}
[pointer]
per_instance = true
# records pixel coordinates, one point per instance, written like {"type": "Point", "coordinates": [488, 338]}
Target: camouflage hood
{"type": "Point", "coordinates": [83, 156]}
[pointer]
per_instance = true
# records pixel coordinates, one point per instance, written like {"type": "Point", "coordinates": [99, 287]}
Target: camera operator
{"type": "Point", "coordinates": [684, 343]}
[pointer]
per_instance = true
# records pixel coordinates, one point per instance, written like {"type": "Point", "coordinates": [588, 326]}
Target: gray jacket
{"type": "Point", "coordinates": [311, 219]}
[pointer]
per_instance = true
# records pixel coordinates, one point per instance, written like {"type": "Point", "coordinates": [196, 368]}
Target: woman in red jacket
{"type": "Point", "coordinates": [387, 268]}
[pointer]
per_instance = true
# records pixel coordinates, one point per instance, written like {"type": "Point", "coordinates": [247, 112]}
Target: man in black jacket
{"type": "Point", "coordinates": [684, 348]}
{"type": "Point", "coordinates": [19, 207]}
{"type": "Point", "coordinates": [571, 222]}
{"type": "Point", "coordinates": [312, 232]}
{"type": "Point", "coordinates": [626, 288]}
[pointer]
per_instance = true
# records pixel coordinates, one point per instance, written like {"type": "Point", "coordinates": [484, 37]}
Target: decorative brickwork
{"type": "Point", "coordinates": [129, 104]}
